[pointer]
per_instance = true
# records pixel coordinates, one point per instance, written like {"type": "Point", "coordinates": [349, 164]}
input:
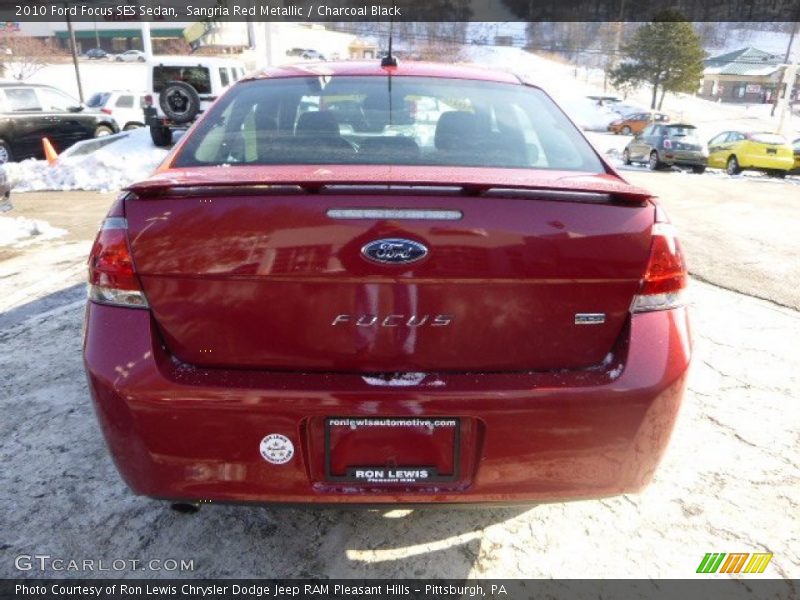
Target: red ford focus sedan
{"type": "Point", "coordinates": [351, 283]}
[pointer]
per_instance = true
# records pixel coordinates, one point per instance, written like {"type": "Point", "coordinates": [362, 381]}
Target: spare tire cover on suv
{"type": "Point", "coordinates": [180, 102]}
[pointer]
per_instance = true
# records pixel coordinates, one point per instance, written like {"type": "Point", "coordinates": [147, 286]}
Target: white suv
{"type": "Point", "coordinates": [125, 107]}
{"type": "Point", "coordinates": [181, 87]}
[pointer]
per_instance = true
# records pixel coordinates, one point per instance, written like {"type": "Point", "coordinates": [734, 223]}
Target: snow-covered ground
{"type": "Point", "coordinates": [19, 231]}
{"type": "Point", "coordinates": [129, 157]}
{"type": "Point", "coordinates": [569, 85]}
{"type": "Point", "coordinates": [96, 76]}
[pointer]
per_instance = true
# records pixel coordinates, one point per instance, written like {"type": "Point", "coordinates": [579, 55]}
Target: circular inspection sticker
{"type": "Point", "coordinates": [276, 449]}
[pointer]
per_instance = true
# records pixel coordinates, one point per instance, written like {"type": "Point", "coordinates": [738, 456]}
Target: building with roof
{"type": "Point", "coordinates": [744, 75]}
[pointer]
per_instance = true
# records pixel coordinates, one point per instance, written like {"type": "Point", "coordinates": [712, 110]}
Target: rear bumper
{"type": "Point", "coordinates": [694, 159]}
{"type": "Point", "coordinates": [181, 433]}
{"type": "Point", "coordinates": [767, 163]}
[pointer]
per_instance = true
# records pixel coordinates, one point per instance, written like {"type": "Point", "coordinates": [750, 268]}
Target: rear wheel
{"type": "Point", "coordinates": [733, 168]}
{"type": "Point", "coordinates": [161, 135]}
{"type": "Point", "coordinates": [653, 163]}
{"type": "Point", "coordinates": [626, 157]}
{"type": "Point", "coordinates": [626, 130]}
{"type": "Point", "coordinates": [5, 152]}
{"type": "Point", "coordinates": [102, 131]}
{"type": "Point", "coordinates": [699, 169]}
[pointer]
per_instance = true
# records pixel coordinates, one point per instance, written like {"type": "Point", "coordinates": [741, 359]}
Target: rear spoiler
{"type": "Point", "coordinates": [165, 188]}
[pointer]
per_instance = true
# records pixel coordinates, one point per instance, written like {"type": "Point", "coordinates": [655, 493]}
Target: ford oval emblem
{"type": "Point", "coordinates": [394, 251]}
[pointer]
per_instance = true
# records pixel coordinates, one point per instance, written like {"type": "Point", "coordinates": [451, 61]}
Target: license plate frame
{"type": "Point", "coordinates": [424, 474]}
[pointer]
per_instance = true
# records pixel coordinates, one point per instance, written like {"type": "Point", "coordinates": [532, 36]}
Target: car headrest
{"type": "Point", "coordinates": [264, 121]}
{"type": "Point", "coordinates": [454, 129]}
{"type": "Point", "coordinates": [319, 123]}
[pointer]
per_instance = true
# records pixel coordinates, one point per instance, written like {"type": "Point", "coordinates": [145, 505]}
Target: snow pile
{"type": "Point", "coordinates": [19, 230]}
{"type": "Point", "coordinates": [130, 157]}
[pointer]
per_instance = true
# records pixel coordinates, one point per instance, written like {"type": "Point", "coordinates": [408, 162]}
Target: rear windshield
{"type": "Point", "coordinates": [687, 134]}
{"type": "Point", "coordinates": [387, 120]}
{"type": "Point", "coordinates": [98, 100]}
{"type": "Point", "coordinates": [198, 77]}
{"type": "Point", "coordinates": [681, 130]}
{"type": "Point", "coordinates": [768, 138]}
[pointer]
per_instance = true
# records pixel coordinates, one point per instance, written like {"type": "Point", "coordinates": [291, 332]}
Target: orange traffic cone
{"type": "Point", "coordinates": [49, 152]}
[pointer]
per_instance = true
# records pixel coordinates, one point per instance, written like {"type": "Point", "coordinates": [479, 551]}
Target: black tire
{"type": "Point", "coordinates": [732, 166]}
{"type": "Point", "coordinates": [161, 135]}
{"type": "Point", "coordinates": [777, 173]}
{"type": "Point", "coordinates": [141, 59]}
{"type": "Point", "coordinates": [5, 152]}
{"type": "Point", "coordinates": [626, 130]}
{"type": "Point", "coordinates": [699, 170]}
{"type": "Point", "coordinates": [180, 102]}
{"type": "Point", "coordinates": [653, 163]}
{"type": "Point", "coordinates": [118, 59]}
{"type": "Point", "coordinates": [131, 126]}
{"type": "Point", "coordinates": [626, 157]}
{"type": "Point", "coordinates": [103, 130]}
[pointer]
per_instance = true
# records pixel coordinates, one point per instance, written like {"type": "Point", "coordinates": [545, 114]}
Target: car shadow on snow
{"type": "Point", "coordinates": [62, 299]}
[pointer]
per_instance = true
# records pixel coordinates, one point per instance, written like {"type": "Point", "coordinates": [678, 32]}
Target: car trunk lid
{"type": "Point", "coordinates": [267, 267]}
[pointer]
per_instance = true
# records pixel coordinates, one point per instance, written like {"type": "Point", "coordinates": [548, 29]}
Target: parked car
{"type": "Point", "coordinates": [125, 107]}
{"type": "Point", "coordinates": [305, 53]}
{"type": "Point", "coordinates": [796, 147]}
{"type": "Point", "coordinates": [736, 151]}
{"type": "Point", "coordinates": [5, 193]}
{"type": "Point", "coordinates": [635, 123]}
{"type": "Point", "coordinates": [96, 54]}
{"type": "Point", "coordinates": [311, 54]}
{"type": "Point", "coordinates": [131, 56]}
{"type": "Point", "coordinates": [667, 145]}
{"type": "Point", "coordinates": [605, 100]}
{"type": "Point", "coordinates": [489, 315]}
{"type": "Point", "coordinates": [181, 87]}
{"type": "Point", "coordinates": [31, 112]}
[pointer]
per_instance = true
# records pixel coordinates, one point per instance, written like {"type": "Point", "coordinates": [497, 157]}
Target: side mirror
{"type": "Point", "coordinates": [76, 109]}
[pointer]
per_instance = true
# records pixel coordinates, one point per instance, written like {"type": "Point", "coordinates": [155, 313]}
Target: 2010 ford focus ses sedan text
{"type": "Point", "coordinates": [351, 283]}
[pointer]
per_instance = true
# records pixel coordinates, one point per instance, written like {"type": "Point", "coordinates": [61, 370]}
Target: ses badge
{"type": "Point", "coordinates": [276, 449]}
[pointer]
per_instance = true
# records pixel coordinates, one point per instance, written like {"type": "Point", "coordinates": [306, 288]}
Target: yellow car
{"type": "Point", "coordinates": [735, 151]}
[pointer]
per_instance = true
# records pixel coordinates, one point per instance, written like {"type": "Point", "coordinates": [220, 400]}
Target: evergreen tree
{"type": "Point", "coordinates": [666, 54]}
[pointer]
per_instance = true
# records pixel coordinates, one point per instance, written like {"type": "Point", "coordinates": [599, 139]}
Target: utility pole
{"type": "Point", "coordinates": [789, 76]}
{"type": "Point", "coordinates": [147, 40]}
{"type": "Point", "coordinates": [74, 49]}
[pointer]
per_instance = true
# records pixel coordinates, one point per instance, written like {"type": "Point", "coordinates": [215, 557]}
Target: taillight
{"type": "Point", "coordinates": [106, 111]}
{"type": "Point", "coordinates": [667, 144]}
{"type": "Point", "coordinates": [665, 278]}
{"type": "Point", "coordinates": [112, 276]}
{"type": "Point", "coordinates": [148, 100]}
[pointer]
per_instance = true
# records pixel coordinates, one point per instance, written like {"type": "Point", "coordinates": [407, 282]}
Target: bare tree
{"type": "Point", "coordinates": [24, 56]}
